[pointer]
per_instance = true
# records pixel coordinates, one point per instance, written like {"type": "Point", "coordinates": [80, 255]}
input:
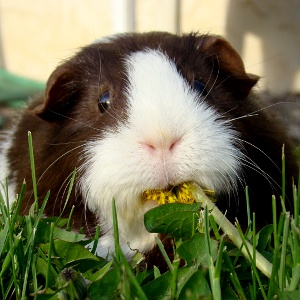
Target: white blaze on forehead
{"type": "Point", "coordinates": [157, 90]}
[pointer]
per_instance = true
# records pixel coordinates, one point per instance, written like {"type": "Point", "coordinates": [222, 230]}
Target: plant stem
{"type": "Point", "coordinates": [261, 263]}
{"type": "Point", "coordinates": [164, 253]}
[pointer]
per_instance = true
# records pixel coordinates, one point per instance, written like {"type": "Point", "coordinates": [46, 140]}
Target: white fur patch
{"type": "Point", "coordinates": [10, 190]}
{"type": "Point", "coordinates": [171, 136]}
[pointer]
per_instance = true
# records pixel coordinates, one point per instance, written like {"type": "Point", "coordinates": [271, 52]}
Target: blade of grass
{"type": "Point", "coordinates": [121, 259]}
{"type": "Point", "coordinates": [254, 251]}
{"type": "Point", "coordinates": [282, 271]}
{"type": "Point", "coordinates": [7, 225]}
{"type": "Point", "coordinates": [295, 230]}
{"type": "Point", "coordinates": [234, 278]}
{"type": "Point", "coordinates": [241, 247]}
{"type": "Point", "coordinates": [69, 228]}
{"type": "Point", "coordinates": [295, 238]}
{"type": "Point", "coordinates": [3, 237]}
{"type": "Point", "coordinates": [193, 223]}
{"type": "Point", "coordinates": [294, 284]}
{"type": "Point", "coordinates": [116, 231]}
{"type": "Point", "coordinates": [156, 272]}
{"type": "Point", "coordinates": [283, 179]}
{"type": "Point", "coordinates": [44, 257]}
{"type": "Point", "coordinates": [49, 255]}
{"type": "Point", "coordinates": [220, 258]}
{"type": "Point", "coordinates": [2, 288]}
{"type": "Point", "coordinates": [214, 227]}
{"type": "Point", "coordinates": [34, 273]}
{"type": "Point", "coordinates": [19, 202]}
{"type": "Point", "coordinates": [132, 280]}
{"type": "Point", "coordinates": [274, 276]}
{"type": "Point", "coordinates": [96, 239]}
{"type": "Point", "coordinates": [174, 279]}
{"type": "Point", "coordinates": [252, 262]}
{"type": "Point", "coordinates": [32, 166]}
{"type": "Point", "coordinates": [7, 260]}
{"type": "Point", "coordinates": [68, 194]}
{"type": "Point", "coordinates": [29, 258]}
{"type": "Point", "coordinates": [297, 201]}
{"type": "Point", "coordinates": [248, 205]}
{"type": "Point", "coordinates": [12, 252]}
{"type": "Point", "coordinates": [9, 289]}
{"type": "Point", "coordinates": [38, 218]}
{"type": "Point", "coordinates": [100, 273]}
{"type": "Point", "coordinates": [214, 279]}
{"type": "Point", "coordinates": [5, 203]}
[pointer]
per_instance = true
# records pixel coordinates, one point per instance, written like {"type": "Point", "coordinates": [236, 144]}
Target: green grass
{"type": "Point", "coordinates": [40, 259]}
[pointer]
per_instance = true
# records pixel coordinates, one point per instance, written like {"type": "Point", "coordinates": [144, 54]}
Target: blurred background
{"type": "Point", "coordinates": [36, 35]}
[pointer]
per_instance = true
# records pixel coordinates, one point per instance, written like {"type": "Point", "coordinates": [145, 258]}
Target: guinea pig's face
{"type": "Point", "coordinates": [158, 116]}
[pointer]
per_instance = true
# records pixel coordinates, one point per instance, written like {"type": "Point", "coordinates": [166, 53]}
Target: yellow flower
{"type": "Point", "coordinates": [180, 193]}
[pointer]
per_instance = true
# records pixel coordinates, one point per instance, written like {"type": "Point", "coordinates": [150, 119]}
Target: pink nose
{"type": "Point", "coordinates": [161, 147]}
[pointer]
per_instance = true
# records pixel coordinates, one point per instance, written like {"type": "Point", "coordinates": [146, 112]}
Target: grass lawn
{"type": "Point", "coordinates": [42, 258]}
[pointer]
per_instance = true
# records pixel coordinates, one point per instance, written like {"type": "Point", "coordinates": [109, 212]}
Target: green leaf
{"type": "Point", "coordinates": [285, 295]}
{"type": "Point", "coordinates": [87, 265]}
{"type": "Point", "coordinates": [59, 222]}
{"type": "Point", "coordinates": [70, 252]}
{"type": "Point", "coordinates": [3, 236]}
{"type": "Point", "coordinates": [48, 294]}
{"type": "Point", "coordinates": [176, 219]}
{"type": "Point", "coordinates": [41, 268]}
{"type": "Point", "coordinates": [229, 294]}
{"type": "Point", "coordinates": [160, 288]}
{"type": "Point", "coordinates": [264, 236]}
{"type": "Point", "coordinates": [106, 287]}
{"type": "Point", "coordinates": [100, 273]}
{"type": "Point", "coordinates": [196, 287]}
{"type": "Point", "coordinates": [194, 251]}
{"type": "Point", "coordinates": [43, 234]}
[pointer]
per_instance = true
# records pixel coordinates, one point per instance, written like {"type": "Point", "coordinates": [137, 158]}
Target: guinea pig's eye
{"type": "Point", "coordinates": [104, 102]}
{"type": "Point", "coordinates": [199, 86]}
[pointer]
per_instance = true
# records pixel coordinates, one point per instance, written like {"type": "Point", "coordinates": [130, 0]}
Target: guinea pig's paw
{"type": "Point", "coordinates": [130, 242]}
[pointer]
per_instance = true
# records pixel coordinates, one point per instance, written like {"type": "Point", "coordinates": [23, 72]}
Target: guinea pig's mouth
{"type": "Point", "coordinates": [180, 193]}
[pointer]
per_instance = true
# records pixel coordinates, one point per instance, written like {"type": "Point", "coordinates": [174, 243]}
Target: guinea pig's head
{"type": "Point", "coordinates": [153, 110]}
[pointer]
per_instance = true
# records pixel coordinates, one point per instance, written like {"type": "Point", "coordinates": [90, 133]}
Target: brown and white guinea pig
{"type": "Point", "coordinates": [135, 112]}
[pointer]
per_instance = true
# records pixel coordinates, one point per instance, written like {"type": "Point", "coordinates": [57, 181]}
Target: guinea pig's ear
{"type": "Point", "coordinates": [59, 92]}
{"type": "Point", "coordinates": [229, 61]}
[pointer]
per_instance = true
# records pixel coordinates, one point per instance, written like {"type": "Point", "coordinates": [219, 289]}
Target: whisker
{"type": "Point", "coordinates": [213, 85]}
{"type": "Point", "coordinates": [55, 161]}
{"type": "Point", "coordinates": [255, 113]}
{"type": "Point", "coordinates": [66, 143]}
{"type": "Point", "coordinates": [253, 166]}
{"type": "Point", "coordinates": [75, 120]}
{"type": "Point", "coordinates": [252, 145]}
{"type": "Point", "coordinates": [65, 188]}
{"type": "Point", "coordinates": [226, 112]}
{"type": "Point", "coordinates": [241, 117]}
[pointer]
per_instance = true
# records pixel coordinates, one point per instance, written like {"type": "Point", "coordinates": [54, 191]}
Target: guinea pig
{"type": "Point", "coordinates": [136, 112]}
